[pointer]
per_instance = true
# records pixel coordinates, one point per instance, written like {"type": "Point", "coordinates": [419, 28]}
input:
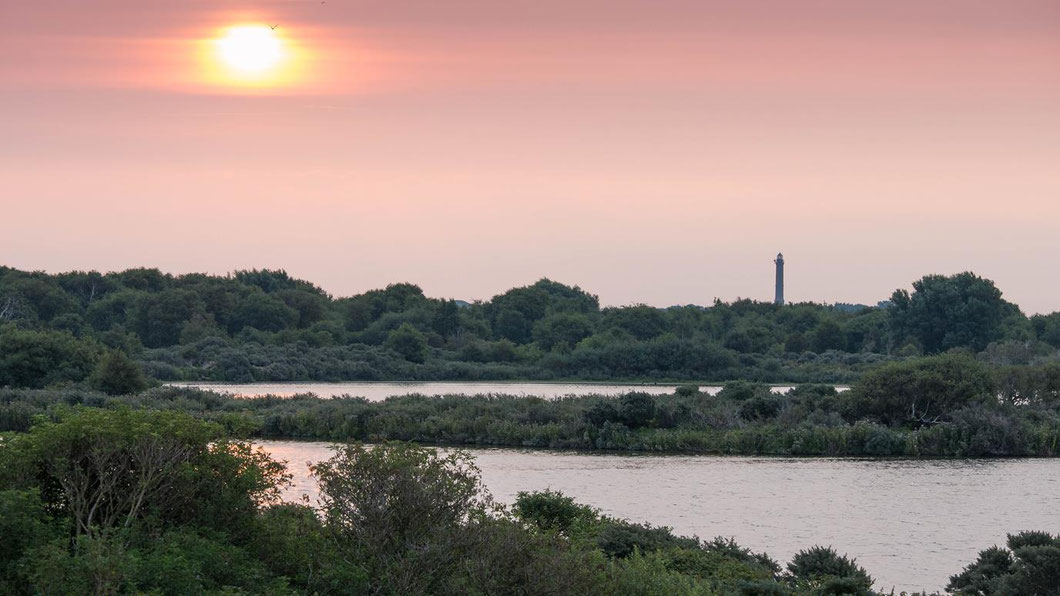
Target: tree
{"type": "Point", "coordinates": [513, 326]}
{"type": "Point", "coordinates": [923, 391]}
{"type": "Point", "coordinates": [271, 281]}
{"type": "Point", "coordinates": [828, 336]}
{"type": "Point", "coordinates": [641, 321]}
{"type": "Point", "coordinates": [116, 374]}
{"type": "Point", "coordinates": [551, 510]}
{"type": "Point", "coordinates": [38, 293]}
{"type": "Point", "coordinates": [405, 506]}
{"type": "Point", "coordinates": [148, 280]}
{"type": "Point", "coordinates": [408, 342]}
{"type": "Point", "coordinates": [1047, 328]}
{"type": "Point", "coordinates": [636, 409]}
{"type": "Point", "coordinates": [40, 358]}
{"type": "Point", "coordinates": [561, 329]}
{"type": "Point", "coordinates": [564, 298]}
{"type": "Point", "coordinates": [110, 469]}
{"type": "Point", "coordinates": [962, 310]}
{"type": "Point", "coordinates": [446, 320]}
{"type": "Point", "coordinates": [825, 571]}
{"type": "Point", "coordinates": [158, 318]}
{"type": "Point", "coordinates": [264, 312]}
{"type": "Point", "coordinates": [86, 287]}
{"type": "Point", "coordinates": [1030, 565]}
{"type": "Point", "coordinates": [514, 312]}
{"type": "Point", "coordinates": [310, 307]}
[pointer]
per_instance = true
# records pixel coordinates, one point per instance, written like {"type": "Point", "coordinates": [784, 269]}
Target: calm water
{"type": "Point", "coordinates": [378, 391]}
{"type": "Point", "coordinates": [911, 523]}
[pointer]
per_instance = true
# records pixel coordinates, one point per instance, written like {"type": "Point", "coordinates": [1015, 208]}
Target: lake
{"type": "Point", "coordinates": [910, 523]}
{"type": "Point", "coordinates": [378, 390]}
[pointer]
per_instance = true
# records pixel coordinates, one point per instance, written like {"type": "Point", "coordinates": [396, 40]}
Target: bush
{"type": "Point", "coordinates": [405, 506]}
{"type": "Point", "coordinates": [116, 374]}
{"type": "Point", "coordinates": [549, 510]}
{"type": "Point", "coordinates": [1030, 565]}
{"type": "Point", "coordinates": [921, 391]}
{"type": "Point", "coordinates": [40, 358]}
{"type": "Point", "coordinates": [824, 569]}
{"type": "Point", "coordinates": [408, 342]}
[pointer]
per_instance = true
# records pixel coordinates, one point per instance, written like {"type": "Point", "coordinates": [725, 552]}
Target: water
{"type": "Point", "coordinates": [910, 523]}
{"type": "Point", "coordinates": [378, 391]}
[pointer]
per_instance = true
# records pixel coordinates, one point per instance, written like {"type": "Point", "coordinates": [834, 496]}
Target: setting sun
{"type": "Point", "coordinates": [253, 56]}
{"type": "Point", "coordinates": [251, 48]}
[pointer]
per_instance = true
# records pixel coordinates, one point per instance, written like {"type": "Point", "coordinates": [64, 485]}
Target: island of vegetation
{"type": "Point", "coordinates": [151, 502]}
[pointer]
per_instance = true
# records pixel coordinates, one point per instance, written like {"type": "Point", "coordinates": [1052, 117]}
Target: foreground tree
{"type": "Point", "coordinates": [1030, 565]}
{"type": "Point", "coordinates": [108, 470]}
{"type": "Point", "coordinates": [405, 506]}
{"type": "Point", "coordinates": [146, 502]}
{"type": "Point", "coordinates": [821, 570]}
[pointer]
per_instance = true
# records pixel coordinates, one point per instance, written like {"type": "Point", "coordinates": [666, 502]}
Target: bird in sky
{"type": "Point", "coordinates": [273, 27]}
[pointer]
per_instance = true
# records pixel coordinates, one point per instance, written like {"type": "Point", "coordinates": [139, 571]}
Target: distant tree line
{"type": "Point", "coordinates": [263, 325]}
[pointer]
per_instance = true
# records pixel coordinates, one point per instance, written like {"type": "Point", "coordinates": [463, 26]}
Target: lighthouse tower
{"type": "Point", "coordinates": [780, 279]}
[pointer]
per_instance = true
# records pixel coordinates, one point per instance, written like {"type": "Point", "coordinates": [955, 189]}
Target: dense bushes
{"type": "Point", "coordinates": [136, 502]}
{"type": "Point", "coordinates": [107, 502]}
{"type": "Point", "coordinates": [1030, 565]}
{"type": "Point", "coordinates": [744, 418]}
{"type": "Point", "coordinates": [31, 358]}
{"type": "Point", "coordinates": [923, 391]}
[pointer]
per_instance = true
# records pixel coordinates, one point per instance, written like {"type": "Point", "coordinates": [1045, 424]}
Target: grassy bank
{"type": "Point", "coordinates": [744, 419]}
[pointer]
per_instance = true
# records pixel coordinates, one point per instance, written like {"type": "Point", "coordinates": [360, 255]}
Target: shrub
{"type": "Point", "coordinates": [822, 568]}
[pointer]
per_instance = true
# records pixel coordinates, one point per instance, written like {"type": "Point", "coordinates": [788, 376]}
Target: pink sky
{"type": "Point", "coordinates": [652, 151]}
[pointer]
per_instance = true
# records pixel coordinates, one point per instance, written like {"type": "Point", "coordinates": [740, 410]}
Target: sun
{"type": "Point", "coordinates": [251, 50]}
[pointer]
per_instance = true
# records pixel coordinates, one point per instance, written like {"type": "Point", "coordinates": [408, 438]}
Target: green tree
{"type": "Point", "coordinates": [828, 336]}
{"type": "Point", "coordinates": [562, 329]}
{"type": "Point", "coordinates": [551, 510]}
{"type": "Point", "coordinates": [962, 310]}
{"type": "Point", "coordinates": [310, 307]}
{"type": "Point", "coordinates": [40, 358]}
{"type": "Point", "coordinates": [147, 280]}
{"type": "Point", "coordinates": [636, 409]}
{"type": "Point", "coordinates": [158, 318]}
{"type": "Point", "coordinates": [25, 526]}
{"type": "Point", "coordinates": [1030, 565]}
{"type": "Point", "coordinates": [116, 374]}
{"type": "Point", "coordinates": [825, 571]}
{"type": "Point", "coordinates": [921, 391]}
{"type": "Point", "coordinates": [263, 312]}
{"type": "Point", "coordinates": [446, 319]}
{"type": "Point", "coordinates": [408, 342]}
{"type": "Point", "coordinates": [641, 321]}
{"type": "Point", "coordinates": [404, 505]}
{"type": "Point", "coordinates": [1047, 328]}
{"type": "Point", "coordinates": [110, 470]}
{"type": "Point", "coordinates": [512, 325]}
{"type": "Point", "coordinates": [39, 293]}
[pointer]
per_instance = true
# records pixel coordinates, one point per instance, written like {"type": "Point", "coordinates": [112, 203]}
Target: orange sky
{"type": "Point", "coordinates": [650, 151]}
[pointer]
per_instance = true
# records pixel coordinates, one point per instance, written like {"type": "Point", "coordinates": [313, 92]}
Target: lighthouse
{"type": "Point", "coordinates": [780, 279]}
